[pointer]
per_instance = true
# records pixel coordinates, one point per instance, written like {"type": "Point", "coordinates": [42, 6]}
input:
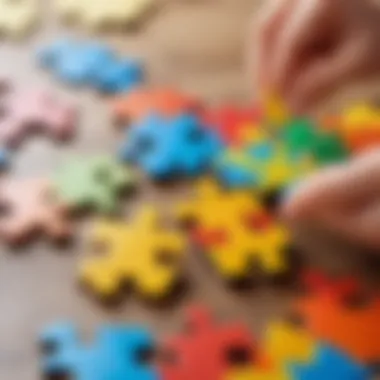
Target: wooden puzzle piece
{"type": "Point", "coordinates": [116, 353]}
{"type": "Point", "coordinates": [232, 123]}
{"type": "Point", "coordinates": [29, 111]}
{"type": "Point", "coordinates": [328, 314]}
{"type": "Point", "coordinates": [29, 206]}
{"type": "Point", "coordinates": [92, 183]}
{"type": "Point", "coordinates": [265, 166]}
{"type": "Point", "coordinates": [168, 148]}
{"type": "Point", "coordinates": [204, 351]}
{"type": "Point", "coordinates": [92, 64]}
{"type": "Point", "coordinates": [102, 13]}
{"type": "Point", "coordinates": [141, 252]}
{"type": "Point", "coordinates": [143, 101]}
{"type": "Point", "coordinates": [18, 17]}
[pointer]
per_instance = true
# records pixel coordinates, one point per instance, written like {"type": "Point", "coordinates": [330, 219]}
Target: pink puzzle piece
{"type": "Point", "coordinates": [29, 111]}
{"type": "Point", "coordinates": [29, 207]}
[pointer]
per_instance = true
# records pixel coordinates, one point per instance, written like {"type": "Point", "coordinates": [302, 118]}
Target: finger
{"type": "Point", "coordinates": [304, 24]}
{"type": "Point", "coordinates": [324, 77]}
{"type": "Point", "coordinates": [266, 27]}
{"type": "Point", "coordinates": [337, 188]}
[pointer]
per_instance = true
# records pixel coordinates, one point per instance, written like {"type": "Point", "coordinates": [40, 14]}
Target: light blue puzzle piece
{"type": "Point", "coordinates": [166, 148]}
{"type": "Point", "coordinates": [330, 364]}
{"type": "Point", "coordinates": [113, 355]}
{"type": "Point", "coordinates": [91, 64]}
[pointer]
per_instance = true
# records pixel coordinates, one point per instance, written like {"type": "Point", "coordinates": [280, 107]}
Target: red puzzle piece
{"type": "Point", "coordinates": [327, 314]}
{"type": "Point", "coordinates": [202, 353]}
{"type": "Point", "coordinates": [230, 122]}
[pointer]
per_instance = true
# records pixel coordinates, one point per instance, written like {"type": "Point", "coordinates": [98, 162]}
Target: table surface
{"type": "Point", "coordinates": [197, 46]}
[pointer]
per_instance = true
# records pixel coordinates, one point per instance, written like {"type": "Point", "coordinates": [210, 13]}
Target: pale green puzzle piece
{"type": "Point", "coordinates": [94, 183]}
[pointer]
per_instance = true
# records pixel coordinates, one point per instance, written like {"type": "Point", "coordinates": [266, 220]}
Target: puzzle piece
{"type": "Point", "coordinates": [102, 13]}
{"type": "Point", "coordinates": [232, 123]}
{"type": "Point", "coordinates": [18, 17]}
{"type": "Point", "coordinates": [203, 352]}
{"type": "Point", "coordinates": [91, 64]}
{"type": "Point", "coordinates": [168, 148]}
{"type": "Point", "coordinates": [354, 329]}
{"type": "Point", "coordinates": [92, 183]}
{"type": "Point", "coordinates": [27, 111]}
{"type": "Point", "coordinates": [116, 353]}
{"type": "Point", "coordinates": [302, 136]}
{"type": "Point", "coordinates": [30, 207]}
{"type": "Point", "coordinates": [141, 102]}
{"type": "Point", "coordinates": [330, 363]}
{"type": "Point", "coordinates": [140, 252]}
{"type": "Point", "coordinates": [264, 166]}
{"type": "Point", "coordinates": [276, 113]}
{"type": "Point", "coordinates": [235, 231]}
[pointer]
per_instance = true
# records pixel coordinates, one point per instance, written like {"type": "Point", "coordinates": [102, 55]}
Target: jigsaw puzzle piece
{"type": "Point", "coordinates": [17, 18]}
{"type": "Point", "coordinates": [142, 253]}
{"type": "Point", "coordinates": [103, 14]}
{"type": "Point", "coordinates": [164, 148]}
{"type": "Point", "coordinates": [93, 64]}
{"type": "Point", "coordinates": [116, 353]}
{"type": "Point", "coordinates": [204, 351]}
{"type": "Point", "coordinates": [92, 183]}
{"type": "Point", "coordinates": [33, 110]}
{"type": "Point", "coordinates": [139, 103]}
{"type": "Point", "coordinates": [31, 208]}
{"type": "Point", "coordinates": [276, 114]}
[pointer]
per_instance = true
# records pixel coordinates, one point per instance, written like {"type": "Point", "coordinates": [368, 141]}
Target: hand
{"type": "Point", "coordinates": [307, 49]}
{"type": "Point", "coordinates": [343, 199]}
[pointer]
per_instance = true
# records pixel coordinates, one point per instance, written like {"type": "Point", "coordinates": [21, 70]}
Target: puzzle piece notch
{"type": "Point", "coordinates": [31, 207]}
{"type": "Point", "coordinates": [103, 14]}
{"type": "Point", "coordinates": [92, 183]}
{"type": "Point", "coordinates": [17, 18]}
{"type": "Point", "coordinates": [142, 253]}
{"type": "Point", "coordinates": [29, 111]}
{"type": "Point", "coordinates": [115, 353]}
{"type": "Point", "coordinates": [204, 351]}
{"type": "Point", "coordinates": [139, 103]}
{"type": "Point", "coordinates": [167, 149]}
{"type": "Point", "coordinates": [92, 64]}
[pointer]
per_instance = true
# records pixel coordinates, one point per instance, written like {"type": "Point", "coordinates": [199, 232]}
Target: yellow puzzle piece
{"type": "Point", "coordinates": [276, 112]}
{"type": "Point", "coordinates": [282, 344]}
{"type": "Point", "coordinates": [18, 17]}
{"type": "Point", "coordinates": [140, 252]}
{"type": "Point", "coordinates": [95, 14]}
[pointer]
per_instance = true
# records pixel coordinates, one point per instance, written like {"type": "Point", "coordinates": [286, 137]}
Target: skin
{"type": "Point", "coordinates": [307, 50]}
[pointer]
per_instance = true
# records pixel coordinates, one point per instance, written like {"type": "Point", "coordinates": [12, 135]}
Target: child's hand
{"type": "Point", "coordinates": [342, 199]}
{"type": "Point", "coordinates": [308, 49]}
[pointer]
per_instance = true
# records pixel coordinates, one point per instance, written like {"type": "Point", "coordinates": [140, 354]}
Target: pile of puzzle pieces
{"type": "Point", "coordinates": [327, 338]}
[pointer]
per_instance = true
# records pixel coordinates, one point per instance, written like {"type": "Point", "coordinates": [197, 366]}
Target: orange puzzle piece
{"type": "Point", "coordinates": [355, 329]}
{"type": "Point", "coordinates": [166, 102]}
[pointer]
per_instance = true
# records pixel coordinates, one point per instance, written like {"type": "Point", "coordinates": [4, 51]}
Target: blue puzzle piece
{"type": "Point", "coordinates": [329, 364]}
{"type": "Point", "coordinates": [113, 355]}
{"type": "Point", "coordinates": [166, 148]}
{"type": "Point", "coordinates": [93, 64]}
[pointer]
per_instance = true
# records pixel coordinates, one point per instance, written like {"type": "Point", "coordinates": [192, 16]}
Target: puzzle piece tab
{"type": "Point", "coordinates": [92, 64]}
{"type": "Point", "coordinates": [141, 253]}
{"type": "Point", "coordinates": [234, 231]}
{"type": "Point", "coordinates": [31, 208]}
{"type": "Point", "coordinates": [102, 13]}
{"type": "Point", "coordinates": [116, 353]}
{"type": "Point", "coordinates": [204, 351]}
{"type": "Point", "coordinates": [265, 166]}
{"type": "Point", "coordinates": [233, 124]}
{"type": "Point", "coordinates": [17, 18]}
{"type": "Point", "coordinates": [167, 148]}
{"type": "Point", "coordinates": [27, 111]}
{"type": "Point", "coordinates": [354, 329]}
{"type": "Point", "coordinates": [92, 183]}
{"type": "Point", "coordinates": [141, 102]}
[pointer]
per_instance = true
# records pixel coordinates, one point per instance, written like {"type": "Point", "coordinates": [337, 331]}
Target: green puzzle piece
{"type": "Point", "coordinates": [94, 183]}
